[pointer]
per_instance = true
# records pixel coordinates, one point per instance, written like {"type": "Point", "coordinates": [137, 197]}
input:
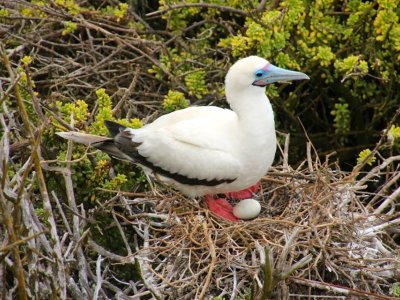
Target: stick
{"type": "Point", "coordinates": [99, 278]}
{"type": "Point", "coordinates": [201, 5]}
{"type": "Point", "coordinates": [338, 289]}
{"type": "Point", "coordinates": [212, 263]}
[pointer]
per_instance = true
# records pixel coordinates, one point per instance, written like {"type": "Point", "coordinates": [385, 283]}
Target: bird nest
{"type": "Point", "coordinates": [317, 234]}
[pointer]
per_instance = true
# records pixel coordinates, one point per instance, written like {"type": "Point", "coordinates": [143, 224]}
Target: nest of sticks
{"type": "Point", "coordinates": [317, 235]}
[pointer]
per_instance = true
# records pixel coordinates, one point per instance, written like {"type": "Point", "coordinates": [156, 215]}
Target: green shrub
{"type": "Point", "coordinates": [175, 100]}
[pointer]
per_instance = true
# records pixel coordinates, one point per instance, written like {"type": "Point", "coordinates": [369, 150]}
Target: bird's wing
{"type": "Point", "coordinates": [203, 149]}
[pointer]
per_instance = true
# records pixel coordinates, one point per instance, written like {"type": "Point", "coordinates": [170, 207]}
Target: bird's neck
{"type": "Point", "coordinates": [253, 108]}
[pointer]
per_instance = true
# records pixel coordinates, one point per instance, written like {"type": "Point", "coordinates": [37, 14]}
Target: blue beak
{"type": "Point", "coordinates": [271, 73]}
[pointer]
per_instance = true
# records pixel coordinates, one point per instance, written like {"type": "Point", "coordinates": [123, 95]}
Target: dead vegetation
{"type": "Point", "coordinates": [323, 232]}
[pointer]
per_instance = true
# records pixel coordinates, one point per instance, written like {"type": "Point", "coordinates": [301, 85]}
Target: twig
{"type": "Point", "coordinates": [121, 232]}
{"type": "Point", "coordinates": [375, 171]}
{"type": "Point", "coordinates": [384, 190]}
{"type": "Point", "coordinates": [99, 278]}
{"type": "Point", "coordinates": [127, 93]}
{"type": "Point", "coordinates": [268, 275]}
{"type": "Point", "coordinates": [66, 224]}
{"type": "Point", "coordinates": [7, 216]}
{"type": "Point", "coordinates": [212, 262]}
{"type": "Point", "coordinates": [378, 145]}
{"type": "Point", "coordinates": [103, 252]}
{"type": "Point", "coordinates": [9, 247]}
{"type": "Point", "coordinates": [309, 158]}
{"type": "Point", "coordinates": [83, 272]}
{"type": "Point", "coordinates": [200, 5]}
{"type": "Point", "coordinates": [283, 259]}
{"type": "Point", "coordinates": [298, 265]}
{"type": "Point", "coordinates": [145, 274]}
{"type": "Point", "coordinates": [35, 100]}
{"type": "Point", "coordinates": [18, 268]}
{"type": "Point", "coordinates": [374, 229]}
{"type": "Point", "coordinates": [261, 6]}
{"type": "Point", "coordinates": [360, 74]}
{"type": "Point", "coordinates": [286, 151]}
{"type": "Point", "coordinates": [338, 289]}
{"type": "Point", "coordinates": [391, 198]}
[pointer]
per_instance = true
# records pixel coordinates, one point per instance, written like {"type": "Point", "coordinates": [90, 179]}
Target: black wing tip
{"type": "Point", "coordinates": [113, 127]}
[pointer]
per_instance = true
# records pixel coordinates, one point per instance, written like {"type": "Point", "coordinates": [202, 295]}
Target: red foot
{"type": "Point", "coordinates": [244, 194]}
{"type": "Point", "coordinates": [221, 208]}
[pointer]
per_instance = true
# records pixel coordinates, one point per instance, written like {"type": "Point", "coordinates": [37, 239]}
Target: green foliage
{"type": "Point", "coordinates": [94, 173]}
{"type": "Point", "coordinates": [176, 20]}
{"type": "Point", "coordinates": [196, 84]}
{"type": "Point", "coordinates": [247, 294]}
{"type": "Point", "coordinates": [352, 64]}
{"type": "Point", "coordinates": [104, 113]}
{"type": "Point", "coordinates": [26, 60]}
{"type": "Point", "coordinates": [342, 118]}
{"type": "Point", "coordinates": [69, 27]}
{"type": "Point", "coordinates": [363, 155]}
{"type": "Point", "coordinates": [394, 137]}
{"type": "Point", "coordinates": [23, 80]}
{"type": "Point", "coordinates": [396, 289]}
{"type": "Point", "coordinates": [325, 55]}
{"type": "Point", "coordinates": [43, 215]}
{"type": "Point", "coordinates": [78, 110]}
{"type": "Point", "coordinates": [132, 123]}
{"type": "Point", "coordinates": [70, 5]}
{"type": "Point", "coordinates": [118, 12]}
{"type": "Point", "coordinates": [394, 132]}
{"type": "Point", "coordinates": [4, 12]}
{"type": "Point", "coordinates": [115, 183]}
{"type": "Point", "coordinates": [175, 100]}
{"type": "Point", "coordinates": [30, 12]}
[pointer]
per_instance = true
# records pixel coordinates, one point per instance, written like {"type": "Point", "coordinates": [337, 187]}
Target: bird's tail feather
{"type": "Point", "coordinates": [102, 143]}
{"type": "Point", "coordinates": [82, 138]}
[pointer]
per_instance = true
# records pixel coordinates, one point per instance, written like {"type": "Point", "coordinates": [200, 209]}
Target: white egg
{"type": "Point", "coordinates": [247, 209]}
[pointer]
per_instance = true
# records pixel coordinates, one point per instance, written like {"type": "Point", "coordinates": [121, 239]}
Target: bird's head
{"type": "Point", "coordinates": [258, 72]}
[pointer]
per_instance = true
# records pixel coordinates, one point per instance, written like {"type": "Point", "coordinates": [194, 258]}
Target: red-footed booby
{"type": "Point", "coordinates": [207, 150]}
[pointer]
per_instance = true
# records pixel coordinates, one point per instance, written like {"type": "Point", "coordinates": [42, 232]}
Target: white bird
{"type": "Point", "coordinates": [207, 150]}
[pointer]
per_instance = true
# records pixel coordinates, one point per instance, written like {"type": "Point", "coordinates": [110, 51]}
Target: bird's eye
{"type": "Point", "coordinates": [259, 74]}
